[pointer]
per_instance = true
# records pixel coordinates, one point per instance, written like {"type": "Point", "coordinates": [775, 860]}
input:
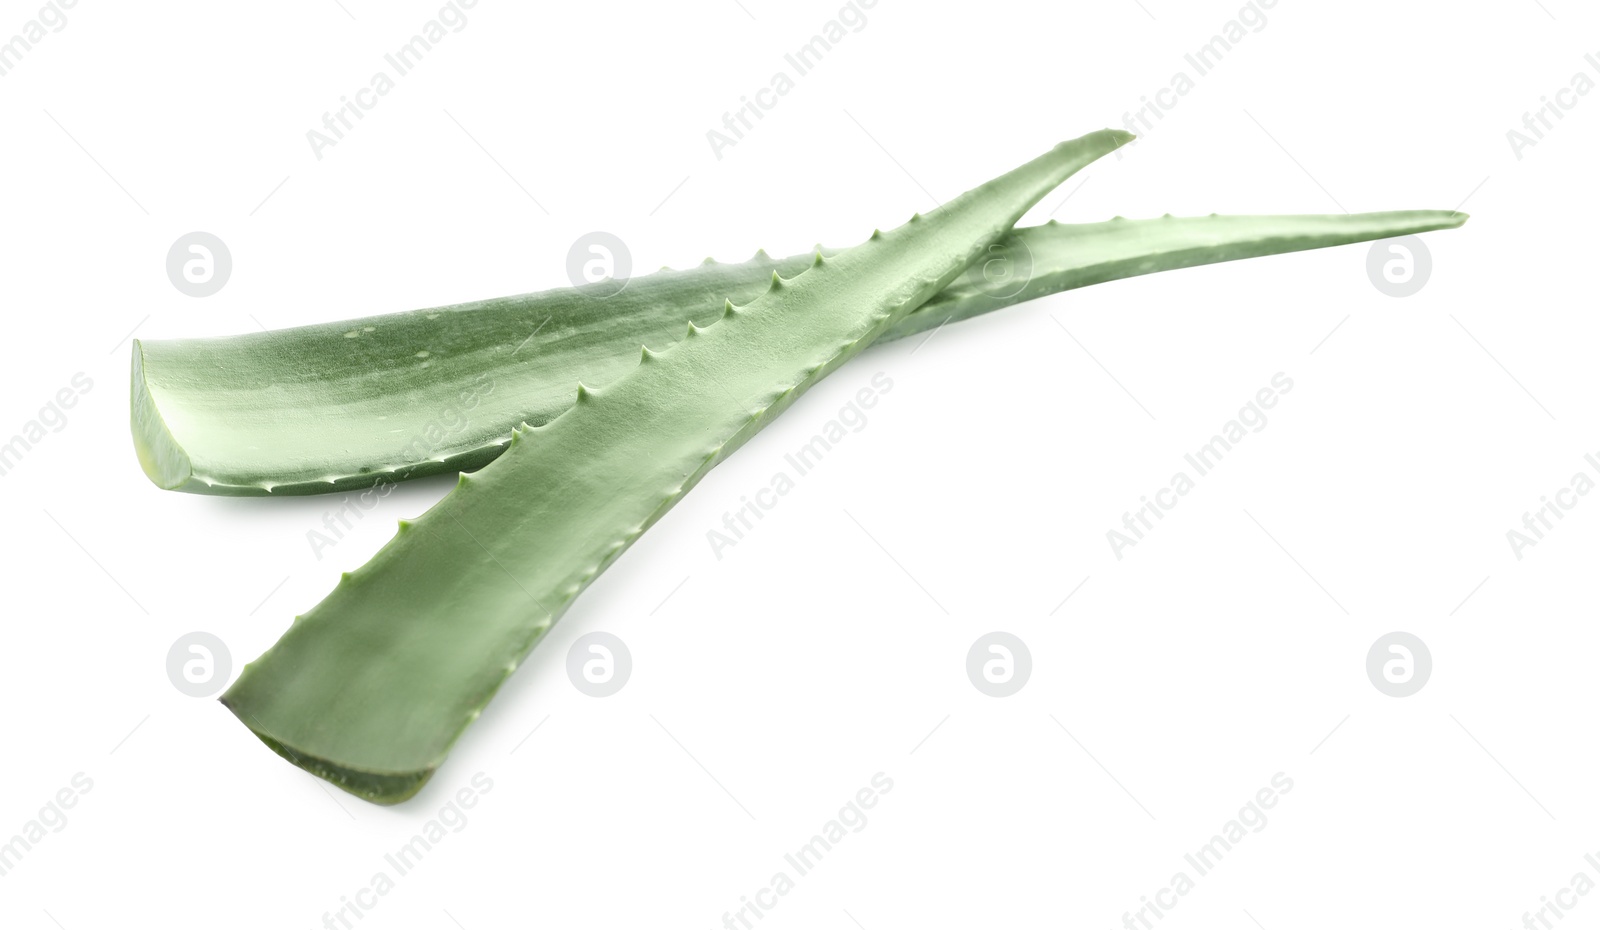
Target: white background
{"type": "Point", "coordinates": [770, 685]}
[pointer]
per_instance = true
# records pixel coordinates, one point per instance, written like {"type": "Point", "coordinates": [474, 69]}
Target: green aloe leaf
{"type": "Point", "coordinates": [372, 687]}
{"type": "Point", "coordinates": [343, 405]}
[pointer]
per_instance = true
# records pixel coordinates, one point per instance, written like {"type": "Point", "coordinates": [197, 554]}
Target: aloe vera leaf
{"type": "Point", "coordinates": [371, 687]}
{"type": "Point", "coordinates": [1067, 256]}
{"type": "Point", "coordinates": [343, 405]}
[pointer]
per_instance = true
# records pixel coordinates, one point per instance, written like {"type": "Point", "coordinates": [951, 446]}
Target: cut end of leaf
{"type": "Point", "coordinates": [1118, 137]}
{"type": "Point", "coordinates": [160, 455]}
{"type": "Point", "coordinates": [377, 787]}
